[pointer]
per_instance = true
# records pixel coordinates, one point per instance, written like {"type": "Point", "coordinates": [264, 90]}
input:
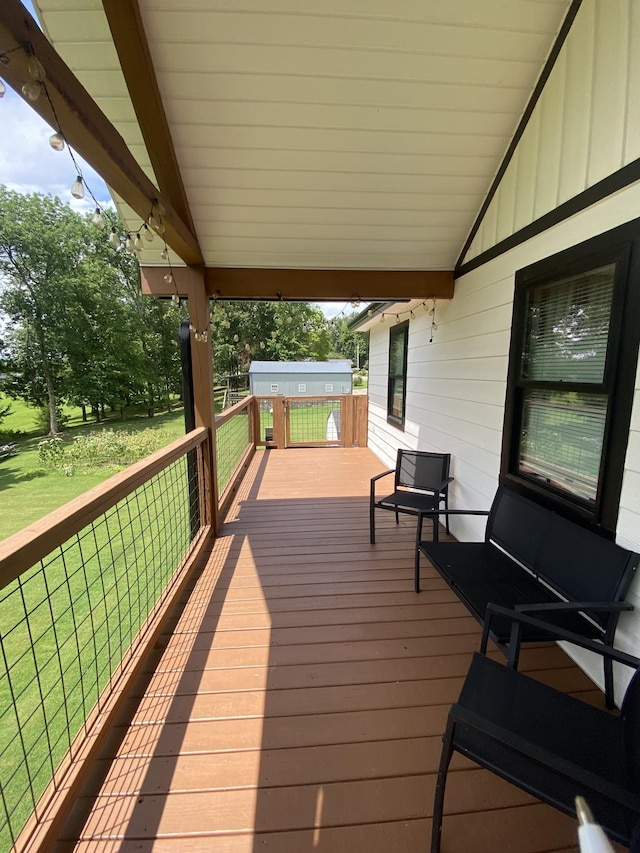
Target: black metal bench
{"type": "Point", "coordinates": [535, 561]}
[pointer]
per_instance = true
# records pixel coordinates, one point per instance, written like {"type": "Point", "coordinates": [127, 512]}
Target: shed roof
{"type": "Point", "coordinates": [300, 367]}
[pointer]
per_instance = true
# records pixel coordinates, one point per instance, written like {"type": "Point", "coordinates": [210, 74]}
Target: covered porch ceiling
{"type": "Point", "coordinates": [296, 149]}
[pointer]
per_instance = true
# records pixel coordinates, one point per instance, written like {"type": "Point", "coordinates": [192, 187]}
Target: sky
{"type": "Point", "coordinates": [28, 164]}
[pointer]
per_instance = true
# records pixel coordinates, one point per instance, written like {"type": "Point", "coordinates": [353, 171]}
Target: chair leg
{"type": "Point", "coordinates": [608, 683]}
{"type": "Point", "coordinates": [416, 576]}
{"type": "Point", "coordinates": [441, 781]}
{"type": "Point", "coordinates": [397, 518]}
{"type": "Point", "coordinates": [446, 507]}
{"type": "Point", "coordinates": [372, 524]}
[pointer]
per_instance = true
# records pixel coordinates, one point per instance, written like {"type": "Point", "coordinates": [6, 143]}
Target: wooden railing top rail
{"type": "Point", "coordinates": [233, 410]}
{"type": "Point", "coordinates": [31, 544]}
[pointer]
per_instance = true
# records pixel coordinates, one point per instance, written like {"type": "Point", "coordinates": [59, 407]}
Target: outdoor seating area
{"type": "Point", "coordinates": [297, 698]}
{"type": "Point", "coordinates": [538, 562]}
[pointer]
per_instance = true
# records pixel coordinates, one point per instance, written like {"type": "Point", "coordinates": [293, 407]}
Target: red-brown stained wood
{"type": "Point", "coordinates": [298, 704]}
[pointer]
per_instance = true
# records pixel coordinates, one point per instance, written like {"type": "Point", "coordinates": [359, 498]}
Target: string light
{"type": "Point", "coordinates": [429, 307]}
{"type": "Point", "coordinates": [32, 89]}
{"type": "Point", "coordinates": [77, 188]}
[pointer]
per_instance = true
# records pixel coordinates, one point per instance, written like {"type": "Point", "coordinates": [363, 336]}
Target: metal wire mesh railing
{"type": "Point", "coordinates": [68, 626]}
{"type": "Point", "coordinates": [233, 441]}
{"type": "Point", "coordinates": [314, 421]}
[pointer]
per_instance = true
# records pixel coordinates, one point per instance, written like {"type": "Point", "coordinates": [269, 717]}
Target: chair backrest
{"type": "Point", "coordinates": [417, 469]}
{"type": "Point", "coordinates": [517, 525]}
{"type": "Point", "coordinates": [630, 713]}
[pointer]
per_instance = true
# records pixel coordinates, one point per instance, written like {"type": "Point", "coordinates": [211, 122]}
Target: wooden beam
{"type": "Point", "coordinates": [130, 41]}
{"type": "Point", "coordinates": [70, 109]}
{"type": "Point", "coordinates": [311, 284]}
{"type": "Point", "coordinates": [201, 358]}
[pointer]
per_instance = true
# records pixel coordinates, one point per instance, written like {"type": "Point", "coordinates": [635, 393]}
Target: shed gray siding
{"type": "Point", "coordinates": [292, 380]}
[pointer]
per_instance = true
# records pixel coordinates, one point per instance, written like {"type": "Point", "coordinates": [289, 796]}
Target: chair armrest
{"type": "Point", "coordinates": [520, 619]}
{"type": "Point", "coordinates": [379, 477]}
{"type": "Point", "coordinates": [566, 606]}
{"type": "Point", "coordinates": [445, 512]}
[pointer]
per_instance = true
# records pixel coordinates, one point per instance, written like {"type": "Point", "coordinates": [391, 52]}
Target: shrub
{"type": "Point", "coordinates": [114, 447]}
{"type": "Point", "coordinates": [357, 380]}
{"type": "Point", "coordinates": [51, 452]}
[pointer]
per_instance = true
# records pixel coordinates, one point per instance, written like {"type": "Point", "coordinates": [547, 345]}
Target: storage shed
{"type": "Point", "coordinates": [300, 378]}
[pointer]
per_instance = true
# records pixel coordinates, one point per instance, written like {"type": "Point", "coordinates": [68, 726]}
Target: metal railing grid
{"type": "Point", "coordinates": [233, 440]}
{"type": "Point", "coordinates": [68, 624]}
{"type": "Point", "coordinates": [314, 421]}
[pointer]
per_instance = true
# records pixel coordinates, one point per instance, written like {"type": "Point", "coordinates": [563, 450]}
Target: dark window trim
{"type": "Point", "coordinates": [522, 126]}
{"type": "Point", "coordinates": [394, 332]}
{"type": "Point", "coordinates": [621, 245]}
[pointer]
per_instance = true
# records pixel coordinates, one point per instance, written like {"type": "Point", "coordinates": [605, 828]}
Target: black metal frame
{"type": "Point", "coordinates": [397, 331]}
{"type": "Point", "coordinates": [519, 740]}
{"type": "Point", "coordinates": [405, 499]}
{"type": "Point", "coordinates": [622, 247]}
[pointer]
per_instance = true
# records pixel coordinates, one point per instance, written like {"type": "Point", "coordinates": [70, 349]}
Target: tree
{"type": "Point", "coordinates": [348, 344]}
{"type": "Point", "coordinates": [266, 331]}
{"type": "Point", "coordinates": [41, 248]}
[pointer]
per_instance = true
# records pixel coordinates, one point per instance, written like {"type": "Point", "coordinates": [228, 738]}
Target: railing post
{"type": "Point", "coordinates": [190, 423]}
{"type": "Point", "coordinates": [201, 357]}
{"type": "Point", "coordinates": [347, 421]}
{"type": "Point", "coordinates": [362, 419]}
{"type": "Point", "coordinates": [279, 437]}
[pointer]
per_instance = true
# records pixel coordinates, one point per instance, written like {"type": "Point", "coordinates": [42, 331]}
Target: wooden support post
{"type": "Point", "coordinates": [347, 420]}
{"type": "Point", "coordinates": [203, 400]}
{"type": "Point", "coordinates": [362, 420]}
{"type": "Point", "coordinates": [279, 419]}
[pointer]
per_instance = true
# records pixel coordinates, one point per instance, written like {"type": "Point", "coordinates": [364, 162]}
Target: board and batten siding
{"type": "Point", "coordinates": [584, 127]}
{"type": "Point", "coordinates": [456, 387]}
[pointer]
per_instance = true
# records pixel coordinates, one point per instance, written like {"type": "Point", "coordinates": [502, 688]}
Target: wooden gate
{"type": "Point", "coordinates": [330, 421]}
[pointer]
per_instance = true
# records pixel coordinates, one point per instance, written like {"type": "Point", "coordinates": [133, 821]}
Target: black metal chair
{"type": "Point", "coordinates": [549, 744]}
{"type": "Point", "coordinates": [421, 484]}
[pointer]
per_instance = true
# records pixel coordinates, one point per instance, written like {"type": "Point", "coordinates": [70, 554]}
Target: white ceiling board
{"type": "Point", "coordinates": [352, 133]}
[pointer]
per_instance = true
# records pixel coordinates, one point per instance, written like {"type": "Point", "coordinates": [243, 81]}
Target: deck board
{"type": "Point", "coordinates": [299, 700]}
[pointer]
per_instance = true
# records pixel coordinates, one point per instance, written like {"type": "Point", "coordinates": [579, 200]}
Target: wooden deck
{"type": "Point", "coordinates": [299, 702]}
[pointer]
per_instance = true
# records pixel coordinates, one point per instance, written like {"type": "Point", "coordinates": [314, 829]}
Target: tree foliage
{"type": "Point", "coordinates": [266, 331]}
{"type": "Point", "coordinates": [78, 328]}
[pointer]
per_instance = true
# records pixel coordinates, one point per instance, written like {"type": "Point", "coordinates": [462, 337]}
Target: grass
{"type": "Point", "coordinates": [68, 621]}
{"type": "Point", "coordinates": [30, 490]}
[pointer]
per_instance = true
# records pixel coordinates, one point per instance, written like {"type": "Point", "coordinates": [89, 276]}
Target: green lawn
{"type": "Point", "coordinates": [29, 490]}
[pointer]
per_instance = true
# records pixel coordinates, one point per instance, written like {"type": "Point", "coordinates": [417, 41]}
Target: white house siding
{"type": "Point", "coordinates": [457, 385]}
{"type": "Point", "coordinates": [585, 126]}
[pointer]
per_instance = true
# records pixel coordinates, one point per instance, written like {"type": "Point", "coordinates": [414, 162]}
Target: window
{"type": "Point", "coordinates": [328, 387]}
{"type": "Point", "coordinates": [397, 388]}
{"type": "Point", "coordinates": [274, 387]}
{"type": "Point", "coordinates": [302, 388]}
{"type": "Point", "coordinates": [571, 379]}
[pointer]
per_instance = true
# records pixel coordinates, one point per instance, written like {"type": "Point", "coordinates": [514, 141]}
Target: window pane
{"type": "Point", "coordinates": [395, 398]}
{"type": "Point", "coordinates": [568, 327]}
{"type": "Point", "coordinates": [562, 434]}
{"type": "Point", "coordinates": [396, 354]}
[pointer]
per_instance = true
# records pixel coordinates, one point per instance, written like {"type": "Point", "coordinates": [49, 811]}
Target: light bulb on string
{"type": "Point", "coordinates": [164, 254]}
{"type": "Point", "coordinates": [236, 338]}
{"type": "Point", "coordinates": [128, 244]}
{"type": "Point", "coordinates": [382, 318]}
{"type": "Point", "coordinates": [137, 243]}
{"type": "Point", "coordinates": [97, 220]}
{"type": "Point", "coordinates": [148, 233]}
{"type": "Point", "coordinates": [3, 89]}
{"type": "Point", "coordinates": [32, 90]}
{"type": "Point", "coordinates": [36, 69]}
{"type": "Point", "coordinates": [114, 239]}
{"type": "Point", "coordinates": [175, 299]}
{"type": "Point", "coordinates": [77, 188]}
{"type": "Point", "coordinates": [168, 277]}
{"type": "Point", "coordinates": [56, 141]}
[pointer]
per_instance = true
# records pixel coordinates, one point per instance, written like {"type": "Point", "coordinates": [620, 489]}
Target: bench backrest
{"type": "Point", "coordinates": [578, 564]}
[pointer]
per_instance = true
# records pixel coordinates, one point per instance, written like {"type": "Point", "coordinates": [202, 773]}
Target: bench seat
{"type": "Point", "coordinates": [536, 561]}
